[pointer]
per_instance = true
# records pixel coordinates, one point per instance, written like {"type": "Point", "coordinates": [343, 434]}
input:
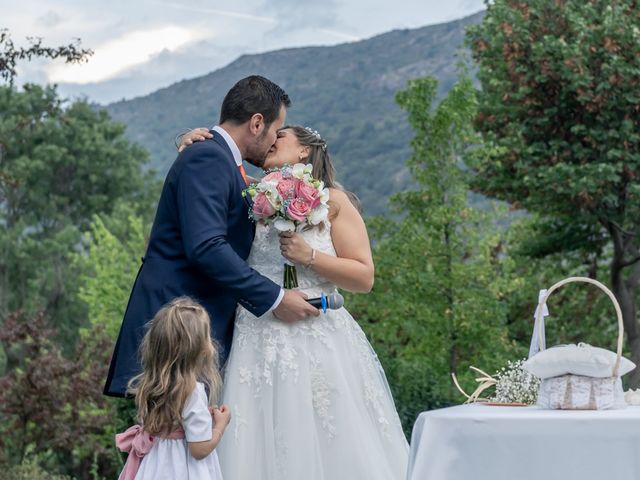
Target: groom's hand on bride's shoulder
{"type": "Point", "coordinates": [294, 307]}
{"type": "Point", "coordinates": [192, 136]}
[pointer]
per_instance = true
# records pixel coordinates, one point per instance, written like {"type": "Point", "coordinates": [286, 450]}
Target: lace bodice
{"type": "Point", "coordinates": [266, 259]}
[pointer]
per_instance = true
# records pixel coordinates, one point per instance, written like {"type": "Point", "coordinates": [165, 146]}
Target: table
{"type": "Point", "coordinates": [478, 442]}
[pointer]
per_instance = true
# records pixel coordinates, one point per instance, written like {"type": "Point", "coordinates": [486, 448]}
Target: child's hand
{"type": "Point", "coordinates": [221, 416]}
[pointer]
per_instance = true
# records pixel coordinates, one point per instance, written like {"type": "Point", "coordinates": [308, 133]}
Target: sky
{"type": "Point", "coordinates": [143, 45]}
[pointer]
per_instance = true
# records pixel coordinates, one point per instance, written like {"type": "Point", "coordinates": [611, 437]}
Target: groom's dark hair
{"type": "Point", "coordinates": [251, 95]}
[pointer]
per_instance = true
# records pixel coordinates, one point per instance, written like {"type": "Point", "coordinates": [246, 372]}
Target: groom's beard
{"type": "Point", "coordinates": [256, 162]}
{"type": "Point", "coordinates": [257, 154]}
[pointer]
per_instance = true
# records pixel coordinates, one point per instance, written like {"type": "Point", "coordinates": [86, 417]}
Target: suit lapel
{"type": "Point", "coordinates": [221, 141]}
{"type": "Point", "coordinates": [248, 202]}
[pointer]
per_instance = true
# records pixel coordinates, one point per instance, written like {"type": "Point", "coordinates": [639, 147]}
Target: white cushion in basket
{"type": "Point", "coordinates": [581, 359]}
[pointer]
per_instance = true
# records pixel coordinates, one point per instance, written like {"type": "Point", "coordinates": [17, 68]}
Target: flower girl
{"type": "Point", "coordinates": [175, 393]}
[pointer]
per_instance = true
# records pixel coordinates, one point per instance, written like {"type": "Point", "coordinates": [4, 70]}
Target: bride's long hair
{"type": "Point", "coordinates": [320, 160]}
{"type": "Point", "coordinates": [176, 352]}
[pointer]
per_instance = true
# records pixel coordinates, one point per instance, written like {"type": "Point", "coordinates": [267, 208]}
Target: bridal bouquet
{"type": "Point", "coordinates": [291, 199]}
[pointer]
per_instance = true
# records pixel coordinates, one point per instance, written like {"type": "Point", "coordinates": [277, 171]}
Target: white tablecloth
{"type": "Point", "coordinates": [480, 442]}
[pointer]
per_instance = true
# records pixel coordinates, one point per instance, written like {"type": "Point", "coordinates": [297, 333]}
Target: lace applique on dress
{"type": "Point", "coordinates": [307, 388]}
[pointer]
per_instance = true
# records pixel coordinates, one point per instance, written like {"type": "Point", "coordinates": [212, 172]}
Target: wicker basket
{"type": "Point", "coordinates": [577, 392]}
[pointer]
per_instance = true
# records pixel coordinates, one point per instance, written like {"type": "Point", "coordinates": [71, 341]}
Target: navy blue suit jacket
{"type": "Point", "coordinates": [199, 242]}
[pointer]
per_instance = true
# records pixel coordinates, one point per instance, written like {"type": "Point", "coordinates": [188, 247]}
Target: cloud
{"type": "Point", "coordinates": [50, 19]}
{"type": "Point", "coordinates": [216, 11]}
{"type": "Point", "coordinates": [296, 15]}
{"type": "Point", "coordinates": [471, 6]}
{"type": "Point", "coordinates": [165, 68]}
{"type": "Point", "coordinates": [117, 56]}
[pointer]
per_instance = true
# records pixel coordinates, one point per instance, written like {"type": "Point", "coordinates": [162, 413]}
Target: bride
{"type": "Point", "coordinates": [309, 399]}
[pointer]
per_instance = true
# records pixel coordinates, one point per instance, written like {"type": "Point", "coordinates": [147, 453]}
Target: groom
{"type": "Point", "coordinates": [202, 234]}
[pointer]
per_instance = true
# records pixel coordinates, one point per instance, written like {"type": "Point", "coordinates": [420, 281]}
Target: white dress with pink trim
{"type": "Point", "coordinates": [171, 459]}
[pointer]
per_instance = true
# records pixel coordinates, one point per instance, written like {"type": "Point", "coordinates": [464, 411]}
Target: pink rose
{"type": "Point", "coordinates": [262, 207]}
{"type": "Point", "coordinates": [309, 194]}
{"type": "Point", "coordinates": [273, 176]}
{"type": "Point", "coordinates": [298, 209]}
{"type": "Point", "coordinates": [287, 188]}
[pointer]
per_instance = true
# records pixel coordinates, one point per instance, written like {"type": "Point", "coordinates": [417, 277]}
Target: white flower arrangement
{"type": "Point", "coordinates": [513, 384]}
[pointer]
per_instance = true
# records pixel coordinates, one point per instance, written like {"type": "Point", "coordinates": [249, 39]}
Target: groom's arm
{"type": "Point", "coordinates": [202, 193]}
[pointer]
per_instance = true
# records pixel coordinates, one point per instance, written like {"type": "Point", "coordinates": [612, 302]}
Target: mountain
{"type": "Point", "coordinates": [346, 92]}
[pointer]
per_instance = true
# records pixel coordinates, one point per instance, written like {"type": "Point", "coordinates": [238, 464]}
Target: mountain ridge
{"type": "Point", "coordinates": [346, 92]}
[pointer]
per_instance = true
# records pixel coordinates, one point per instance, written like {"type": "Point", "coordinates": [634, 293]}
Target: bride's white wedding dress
{"type": "Point", "coordinates": [309, 400]}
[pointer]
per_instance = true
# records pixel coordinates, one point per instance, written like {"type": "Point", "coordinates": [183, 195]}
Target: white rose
{"type": "Point", "coordinates": [283, 225]}
{"type": "Point", "coordinates": [273, 196]}
{"type": "Point", "coordinates": [318, 214]}
{"type": "Point", "coordinates": [299, 170]}
{"type": "Point", "coordinates": [324, 195]}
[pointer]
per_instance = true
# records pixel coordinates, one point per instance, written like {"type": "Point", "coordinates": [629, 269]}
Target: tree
{"type": "Point", "coordinates": [441, 277]}
{"type": "Point", "coordinates": [52, 405]}
{"type": "Point", "coordinates": [59, 166]}
{"type": "Point", "coordinates": [115, 244]}
{"type": "Point", "coordinates": [9, 54]}
{"type": "Point", "coordinates": [560, 107]}
{"type": "Point", "coordinates": [109, 267]}
{"type": "Point", "coordinates": [48, 397]}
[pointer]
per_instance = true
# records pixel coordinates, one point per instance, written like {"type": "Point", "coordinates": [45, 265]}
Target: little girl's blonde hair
{"type": "Point", "coordinates": [176, 351]}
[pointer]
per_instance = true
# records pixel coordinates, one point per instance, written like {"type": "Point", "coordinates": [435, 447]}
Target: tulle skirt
{"type": "Point", "coordinates": [310, 401]}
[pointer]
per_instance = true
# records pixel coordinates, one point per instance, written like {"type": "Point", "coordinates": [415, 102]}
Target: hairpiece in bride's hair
{"type": "Point", "coordinates": [323, 143]}
{"type": "Point", "coordinates": [313, 132]}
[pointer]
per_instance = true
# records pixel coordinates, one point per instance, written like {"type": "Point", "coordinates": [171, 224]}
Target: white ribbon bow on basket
{"type": "Point", "coordinates": [538, 326]}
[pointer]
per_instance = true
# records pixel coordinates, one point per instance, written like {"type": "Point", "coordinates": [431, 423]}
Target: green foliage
{"type": "Point", "coordinates": [71, 186]}
{"type": "Point", "coordinates": [578, 312]}
{"type": "Point", "coordinates": [441, 274]}
{"type": "Point", "coordinates": [64, 169]}
{"type": "Point", "coordinates": [115, 245]}
{"type": "Point", "coordinates": [59, 166]}
{"type": "Point", "coordinates": [52, 405]}
{"type": "Point", "coordinates": [110, 267]}
{"type": "Point", "coordinates": [560, 109]}
{"type": "Point", "coordinates": [560, 98]}
{"type": "Point", "coordinates": [29, 469]}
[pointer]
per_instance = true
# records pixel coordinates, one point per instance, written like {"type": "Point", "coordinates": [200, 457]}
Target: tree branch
{"type": "Point", "coordinates": [630, 262]}
{"type": "Point", "coordinates": [626, 233]}
{"type": "Point", "coordinates": [634, 278]}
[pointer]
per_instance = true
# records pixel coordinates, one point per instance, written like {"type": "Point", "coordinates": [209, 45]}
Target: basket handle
{"type": "Point", "coordinates": [602, 287]}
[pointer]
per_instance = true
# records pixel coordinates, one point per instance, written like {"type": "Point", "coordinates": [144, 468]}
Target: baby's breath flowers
{"type": "Point", "coordinates": [513, 384]}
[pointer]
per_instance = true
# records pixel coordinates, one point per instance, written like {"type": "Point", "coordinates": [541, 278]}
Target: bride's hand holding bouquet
{"type": "Point", "coordinates": [292, 200]}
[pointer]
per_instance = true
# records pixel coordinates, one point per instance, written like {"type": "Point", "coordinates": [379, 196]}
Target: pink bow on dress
{"type": "Point", "coordinates": [137, 443]}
